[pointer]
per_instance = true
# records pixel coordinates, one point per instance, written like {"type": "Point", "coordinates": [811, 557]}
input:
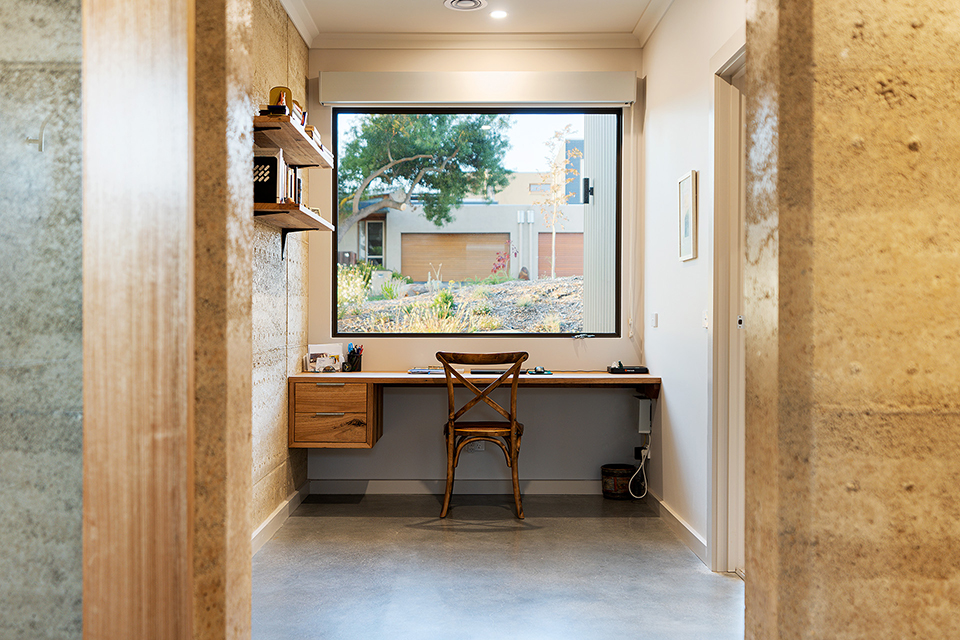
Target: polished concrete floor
{"type": "Point", "coordinates": [577, 567]}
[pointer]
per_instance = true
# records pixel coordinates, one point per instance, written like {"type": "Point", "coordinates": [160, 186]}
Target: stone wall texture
{"type": "Point", "coordinates": [853, 274]}
{"type": "Point", "coordinates": [222, 502]}
{"type": "Point", "coordinates": [279, 284]}
{"type": "Point", "coordinates": [40, 322]}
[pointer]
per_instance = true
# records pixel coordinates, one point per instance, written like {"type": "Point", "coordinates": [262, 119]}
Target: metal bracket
{"type": "Point", "coordinates": [39, 141]}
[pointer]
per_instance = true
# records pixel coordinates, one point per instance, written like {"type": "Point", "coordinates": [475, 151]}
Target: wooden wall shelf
{"type": "Point", "coordinates": [290, 217]}
{"type": "Point", "coordinates": [300, 149]}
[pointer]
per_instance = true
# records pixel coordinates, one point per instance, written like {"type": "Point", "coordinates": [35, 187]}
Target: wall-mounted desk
{"type": "Point", "coordinates": [345, 410]}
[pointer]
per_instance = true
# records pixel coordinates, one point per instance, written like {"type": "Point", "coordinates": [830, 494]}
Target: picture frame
{"type": "Point", "coordinates": [687, 220]}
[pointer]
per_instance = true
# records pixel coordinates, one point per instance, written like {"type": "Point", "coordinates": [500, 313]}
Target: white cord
{"type": "Point", "coordinates": [643, 459]}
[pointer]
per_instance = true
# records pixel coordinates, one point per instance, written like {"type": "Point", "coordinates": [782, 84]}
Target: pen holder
{"type": "Point", "coordinates": [354, 362]}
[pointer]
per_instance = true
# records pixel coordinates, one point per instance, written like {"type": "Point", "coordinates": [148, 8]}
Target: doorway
{"type": "Point", "coordinates": [726, 550]}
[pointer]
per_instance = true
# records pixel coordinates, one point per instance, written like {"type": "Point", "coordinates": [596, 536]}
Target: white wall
{"type": "Point", "coordinates": [678, 137]}
{"type": "Point", "coordinates": [583, 54]}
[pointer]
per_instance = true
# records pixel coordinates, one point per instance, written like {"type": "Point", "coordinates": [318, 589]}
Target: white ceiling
{"type": "Point", "coordinates": [316, 19]}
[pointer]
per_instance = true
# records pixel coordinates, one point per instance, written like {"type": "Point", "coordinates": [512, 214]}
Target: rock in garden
{"type": "Point", "coordinates": [412, 290]}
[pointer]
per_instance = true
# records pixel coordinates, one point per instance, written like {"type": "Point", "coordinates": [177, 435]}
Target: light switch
{"type": "Point", "coordinates": [706, 319]}
{"type": "Point", "coordinates": [654, 320]}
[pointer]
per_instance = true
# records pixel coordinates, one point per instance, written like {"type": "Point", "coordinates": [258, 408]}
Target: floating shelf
{"type": "Point", "coordinates": [300, 149]}
{"type": "Point", "coordinates": [289, 216]}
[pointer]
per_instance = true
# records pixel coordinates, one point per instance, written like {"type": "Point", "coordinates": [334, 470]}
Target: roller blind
{"type": "Point", "coordinates": [602, 88]}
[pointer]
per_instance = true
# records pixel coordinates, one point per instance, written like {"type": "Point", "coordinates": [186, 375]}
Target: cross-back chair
{"type": "Point", "coordinates": [505, 433]}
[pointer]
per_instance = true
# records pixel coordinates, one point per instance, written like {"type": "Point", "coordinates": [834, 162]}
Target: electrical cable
{"type": "Point", "coordinates": [640, 469]}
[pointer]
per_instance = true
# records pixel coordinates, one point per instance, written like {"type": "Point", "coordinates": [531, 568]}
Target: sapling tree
{"type": "Point", "coordinates": [559, 174]}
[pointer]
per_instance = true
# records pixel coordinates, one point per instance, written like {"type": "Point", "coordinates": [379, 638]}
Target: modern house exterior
{"type": "Point", "coordinates": [511, 223]}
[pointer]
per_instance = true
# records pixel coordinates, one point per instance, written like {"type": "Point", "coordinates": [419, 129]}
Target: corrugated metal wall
{"type": "Point", "coordinates": [600, 224]}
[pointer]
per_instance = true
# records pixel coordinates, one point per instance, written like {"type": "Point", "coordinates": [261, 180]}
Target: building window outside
{"type": "Point", "coordinates": [373, 251]}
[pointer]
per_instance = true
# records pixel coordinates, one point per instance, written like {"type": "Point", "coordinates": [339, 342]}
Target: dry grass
{"type": "Point", "coordinates": [539, 306]}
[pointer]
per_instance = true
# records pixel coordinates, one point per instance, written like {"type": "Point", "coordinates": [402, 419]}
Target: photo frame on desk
{"type": "Point", "coordinates": [687, 198]}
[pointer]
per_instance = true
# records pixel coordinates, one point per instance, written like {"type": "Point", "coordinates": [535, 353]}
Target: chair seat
{"type": "Point", "coordinates": [486, 428]}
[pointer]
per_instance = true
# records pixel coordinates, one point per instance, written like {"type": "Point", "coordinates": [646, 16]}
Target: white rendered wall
{"type": "Point", "coordinates": [678, 137]}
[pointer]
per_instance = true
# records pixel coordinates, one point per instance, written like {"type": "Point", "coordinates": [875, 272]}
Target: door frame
{"type": "Point", "coordinates": [726, 476]}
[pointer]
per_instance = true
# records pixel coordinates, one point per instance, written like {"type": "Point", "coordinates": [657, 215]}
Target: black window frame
{"type": "Point", "coordinates": [616, 111]}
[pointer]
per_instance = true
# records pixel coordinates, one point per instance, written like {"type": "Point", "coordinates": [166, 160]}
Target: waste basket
{"type": "Point", "coordinates": [615, 480]}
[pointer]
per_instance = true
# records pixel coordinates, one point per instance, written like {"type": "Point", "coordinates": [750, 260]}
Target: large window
{"type": "Point", "coordinates": [477, 222]}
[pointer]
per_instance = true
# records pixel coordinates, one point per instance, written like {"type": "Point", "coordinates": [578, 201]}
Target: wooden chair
{"type": "Point", "coordinates": [504, 433]}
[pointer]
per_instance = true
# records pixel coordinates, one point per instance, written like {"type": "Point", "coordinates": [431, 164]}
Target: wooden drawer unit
{"type": "Point", "coordinates": [335, 415]}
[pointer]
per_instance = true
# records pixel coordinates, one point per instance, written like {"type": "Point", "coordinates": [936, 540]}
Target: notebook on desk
{"type": "Point", "coordinates": [492, 372]}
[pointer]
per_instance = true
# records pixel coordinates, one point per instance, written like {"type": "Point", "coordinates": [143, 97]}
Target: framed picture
{"type": "Point", "coordinates": [688, 216]}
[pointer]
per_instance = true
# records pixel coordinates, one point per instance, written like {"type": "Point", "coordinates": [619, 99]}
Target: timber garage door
{"type": "Point", "coordinates": [569, 254]}
{"type": "Point", "coordinates": [463, 255]}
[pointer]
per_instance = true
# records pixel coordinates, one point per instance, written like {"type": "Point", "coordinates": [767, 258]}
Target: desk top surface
{"type": "Point", "coordinates": [557, 379]}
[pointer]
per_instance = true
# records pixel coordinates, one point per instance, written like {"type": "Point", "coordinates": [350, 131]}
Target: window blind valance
{"type": "Point", "coordinates": [601, 88]}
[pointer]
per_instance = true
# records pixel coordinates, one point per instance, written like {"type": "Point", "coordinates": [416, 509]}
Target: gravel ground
{"type": "Point", "coordinates": [524, 306]}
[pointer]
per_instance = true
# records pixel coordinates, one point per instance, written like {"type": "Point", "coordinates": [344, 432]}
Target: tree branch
{"type": "Point", "coordinates": [379, 172]}
{"type": "Point", "coordinates": [359, 213]}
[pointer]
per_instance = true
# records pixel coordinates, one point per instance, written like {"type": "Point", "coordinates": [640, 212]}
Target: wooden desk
{"type": "Point", "coordinates": [345, 410]}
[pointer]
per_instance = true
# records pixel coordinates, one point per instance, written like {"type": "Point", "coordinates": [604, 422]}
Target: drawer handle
{"type": "Point", "coordinates": [329, 413]}
{"type": "Point", "coordinates": [331, 384]}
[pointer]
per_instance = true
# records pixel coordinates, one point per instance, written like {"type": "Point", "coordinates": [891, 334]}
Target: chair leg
{"type": "Point", "coordinates": [515, 454]}
{"type": "Point", "coordinates": [451, 454]}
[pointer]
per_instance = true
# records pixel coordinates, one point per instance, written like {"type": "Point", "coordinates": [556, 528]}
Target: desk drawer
{"type": "Point", "coordinates": [331, 396]}
{"type": "Point", "coordinates": [332, 427]}
{"type": "Point", "coordinates": [335, 415]}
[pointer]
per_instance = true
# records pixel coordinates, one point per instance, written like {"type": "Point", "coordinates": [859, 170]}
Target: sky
{"type": "Point", "coordinates": [528, 137]}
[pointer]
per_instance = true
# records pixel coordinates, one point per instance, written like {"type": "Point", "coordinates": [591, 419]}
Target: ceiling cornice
{"type": "Point", "coordinates": [474, 41]}
{"type": "Point", "coordinates": [300, 16]}
{"type": "Point", "coordinates": [651, 17]}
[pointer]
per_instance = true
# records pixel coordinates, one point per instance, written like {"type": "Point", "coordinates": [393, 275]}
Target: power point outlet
{"type": "Point", "coordinates": [475, 446]}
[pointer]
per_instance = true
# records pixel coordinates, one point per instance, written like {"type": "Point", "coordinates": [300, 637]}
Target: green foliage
{"type": "Point", "coordinates": [495, 278]}
{"type": "Point", "coordinates": [439, 157]}
{"type": "Point", "coordinates": [389, 291]}
{"type": "Point", "coordinates": [443, 303]}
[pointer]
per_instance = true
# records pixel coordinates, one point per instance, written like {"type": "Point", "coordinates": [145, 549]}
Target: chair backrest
{"type": "Point", "coordinates": [449, 360]}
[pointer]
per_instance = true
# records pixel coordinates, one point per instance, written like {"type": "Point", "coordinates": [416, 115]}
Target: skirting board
{"type": "Point", "coordinates": [276, 519]}
{"type": "Point", "coordinates": [436, 487]}
{"type": "Point", "coordinates": [679, 526]}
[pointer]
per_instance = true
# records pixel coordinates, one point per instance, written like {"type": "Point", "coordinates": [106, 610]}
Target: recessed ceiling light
{"type": "Point", "coordinates": [464, 5]}
{"type": "Point", "coordinates": [498, 14]}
